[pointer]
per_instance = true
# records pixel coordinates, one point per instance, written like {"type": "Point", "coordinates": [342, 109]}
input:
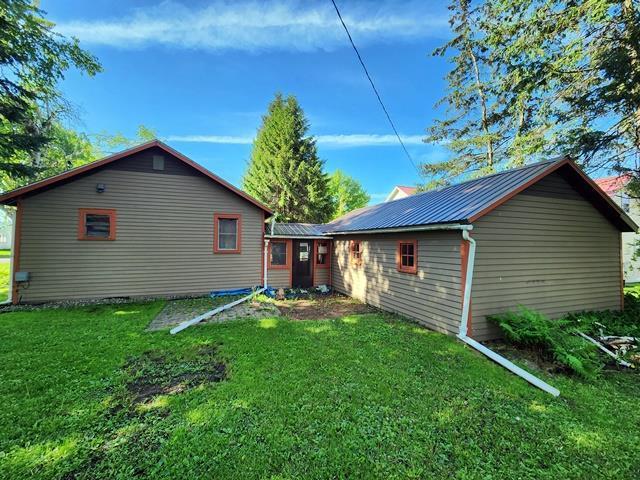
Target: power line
{"type": "Point", "coordinates": [375, 90]}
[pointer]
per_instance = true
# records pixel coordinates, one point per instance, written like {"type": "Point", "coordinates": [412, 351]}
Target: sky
{"type": "Point", "coordinates": [202, 73]}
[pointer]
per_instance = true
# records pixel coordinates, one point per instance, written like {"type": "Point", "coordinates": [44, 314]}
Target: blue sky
{"type": "Point", "coordinates": [202, 74]}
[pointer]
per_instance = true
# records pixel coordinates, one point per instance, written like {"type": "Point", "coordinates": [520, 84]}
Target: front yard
{"type": "Point", "coordinates": [88, 393]}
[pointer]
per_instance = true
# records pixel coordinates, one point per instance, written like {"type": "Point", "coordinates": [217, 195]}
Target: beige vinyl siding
{"type": "Point", "coordinates": [431, 297]}
{"type": "Point", "coordinates": [321, 276]}
{"type": "Point", "coordinates": [547, 248]}
{"type": "Point", "coordinates": [279, 278]}
{"type": "Point", "coordinates": [164, 238]}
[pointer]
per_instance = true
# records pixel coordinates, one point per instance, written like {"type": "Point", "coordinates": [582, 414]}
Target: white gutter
{"type": "Point", "coordinates": [300, 237]}
{"type": "Point", "coordinates": [462, 335]}
{"type": "Point", "coordinates": [266, 250]}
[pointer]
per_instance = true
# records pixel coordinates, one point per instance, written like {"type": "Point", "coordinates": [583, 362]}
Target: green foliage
{"type": "Point", "coordinates": [555, 339]}
{"type": "Point", "coordinates": [285, 172]}
{"type": "Point", "coordinates": [347, 193]}
{"type": "Point", "coordinates": [33, 58]}
{"type": "Point", "coordinates": [111, 143]}
{"type": "Point", "coordinates": [536, 77]}
{"type": "Point", "coordinates": [625, 323]}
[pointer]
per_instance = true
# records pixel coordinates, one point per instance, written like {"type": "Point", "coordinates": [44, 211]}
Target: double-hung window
{"type": "Point", "coordinates": [278, 254]}
{"type": "Point", "coordinates": [227, 233]}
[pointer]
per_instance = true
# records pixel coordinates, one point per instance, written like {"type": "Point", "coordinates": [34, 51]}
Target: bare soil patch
{"type": "Point", "coordinates": [317, 307]}
{"type": "Point", "coordinates": [153, 374]}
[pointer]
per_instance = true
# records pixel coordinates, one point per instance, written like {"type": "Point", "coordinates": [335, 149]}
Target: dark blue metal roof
{"type": "Point", "coordinates": [454, 204]}
{"type": "Point", "coordinates": [297, 230]}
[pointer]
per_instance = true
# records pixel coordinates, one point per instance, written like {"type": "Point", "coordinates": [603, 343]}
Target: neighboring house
{"type": "Point", "coordinates": [400, 191]}
{"type": "Point", "coordinates": [6, 229]}
{"type": "Point", "coordinates": [149, 221]}
{"type": "Point", "coordinates": [615, 187]}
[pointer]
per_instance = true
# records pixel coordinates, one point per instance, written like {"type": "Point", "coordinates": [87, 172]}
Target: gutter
{"type": "Point", "coordinates": [300, 237]}
{"type": "Point", "coordinates": [464, 319]}
{"type": "Point", "coordinates": [417, 228]}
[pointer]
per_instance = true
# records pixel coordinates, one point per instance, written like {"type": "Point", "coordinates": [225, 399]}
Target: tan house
{"type": "Point", "coordinates": [151, 222]}
{"type": "Point", "coordinates": [615, 187]}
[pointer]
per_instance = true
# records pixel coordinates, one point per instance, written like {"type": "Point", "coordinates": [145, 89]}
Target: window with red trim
{"type": "Point", "coordinates": [278, 255]}
{"type": "Point", "coordinates": [96, 224]}
{"type": "Point", "coordinates": [407, 256]}
{"type": "Point", "coordinates": [322, 253]}
{"type": "Point", "coordinates": [227, 232]}
{"type": "Point", "coordinates": [355, 252]}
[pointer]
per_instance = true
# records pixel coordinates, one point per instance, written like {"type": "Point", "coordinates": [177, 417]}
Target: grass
{"type": "Point", "coordinates": [5, 253]}
{"type": "Point", "coordinates": [361, 396]}
{"type": "Point", "coordinates": [4, 281]}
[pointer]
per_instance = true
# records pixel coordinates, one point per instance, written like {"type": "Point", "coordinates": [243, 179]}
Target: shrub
{"type": "Point", "coordinates": [554, 339]}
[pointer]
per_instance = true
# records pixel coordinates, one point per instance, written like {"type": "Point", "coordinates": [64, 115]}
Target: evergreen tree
{"type": "Point", "coordinates": [347, 193]}
{"type": "Point", "coordinates": [285, 172]}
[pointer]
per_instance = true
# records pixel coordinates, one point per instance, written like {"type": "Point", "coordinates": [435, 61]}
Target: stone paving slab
{"type": "Point", "coordinates": [178, 311]}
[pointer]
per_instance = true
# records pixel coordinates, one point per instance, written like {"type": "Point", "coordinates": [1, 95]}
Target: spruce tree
{"type": "Point", "coordinates": [284, 171]}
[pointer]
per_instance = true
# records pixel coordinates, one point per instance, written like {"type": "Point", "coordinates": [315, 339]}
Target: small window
{"type": "Point", "coordinates": [322, 254]}
{"type": "Point", "coordinates": [407, 256]}
{"type": "Point", "coordinates": [356, 252]}
{"type": "Point", "coordinates": [278, 256]}
{"type": "Point", "coordinates": [97, 224]}
{"type": "Point", "coordinates": [227, 233]}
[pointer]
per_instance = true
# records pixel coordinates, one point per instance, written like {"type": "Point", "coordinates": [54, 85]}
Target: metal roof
{"type": "Point", "coordinates": [297, 230]}
{"type": "Point", "coordinates": [453, 204]}
{"type": "Point", "coordinates": [463, 203]}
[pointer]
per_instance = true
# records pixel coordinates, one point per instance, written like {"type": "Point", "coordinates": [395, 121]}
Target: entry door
{"type": "Point", "coordinates": [302, 257]}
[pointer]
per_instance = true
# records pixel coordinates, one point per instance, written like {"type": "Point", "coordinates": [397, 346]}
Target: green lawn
{"type": "Point", "coordinates": [358, 397]}
{"type": "Point", "coordinates": [4, 281]}
{"type": "Point", "coordinates": [5, 253]}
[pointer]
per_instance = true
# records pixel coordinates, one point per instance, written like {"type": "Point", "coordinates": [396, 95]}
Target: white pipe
{"type": "Point", "coordinates": [211, 313]}
{"type": "Point", "coordinates": [300, 237]}
{"type": "Point", "coordinates": [266, 257]}
{"type": "Point", "coordinates": [464, 318]}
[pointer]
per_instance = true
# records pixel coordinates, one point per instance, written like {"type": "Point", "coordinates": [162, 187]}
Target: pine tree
{"type": "Point", "coordinates": [285, 172]}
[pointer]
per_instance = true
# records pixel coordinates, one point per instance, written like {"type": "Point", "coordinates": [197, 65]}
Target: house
{"type": "Point", "coordinates": [149, 221]}
{"type": "Point", "coordinates": [144, 222]}
{"type": "Point", "coordinates": [400, 191]}
{"type": "Point", "coordinates": [615, 187]}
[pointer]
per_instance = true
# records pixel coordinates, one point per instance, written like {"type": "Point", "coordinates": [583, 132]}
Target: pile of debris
{"type": "Point", "coordinates": [620, 348]}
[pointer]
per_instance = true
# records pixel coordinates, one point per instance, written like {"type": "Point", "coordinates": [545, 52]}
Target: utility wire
{"type": "Point", "coordinates": [375, 90]}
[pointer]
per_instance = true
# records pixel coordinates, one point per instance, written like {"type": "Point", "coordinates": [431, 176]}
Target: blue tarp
{"type": "Point", "coordinates": [226, 293]}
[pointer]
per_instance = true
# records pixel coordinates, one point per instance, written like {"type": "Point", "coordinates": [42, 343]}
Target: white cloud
{"type": "Point", "coordinates": [256, 26]}
{"type": "Point", "coordinates": [340, 141]}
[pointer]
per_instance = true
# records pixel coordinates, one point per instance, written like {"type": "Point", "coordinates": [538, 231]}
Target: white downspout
{"type": "Point", "coordinates": [462, 335]}
{"type": "Point", "coordinates": [264, 262]}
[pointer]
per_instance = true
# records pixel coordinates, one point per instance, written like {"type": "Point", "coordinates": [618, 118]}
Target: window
{"type": "Point", "coordinates": [355, 253]}
{"type": "Point", "coordinates": [407, 256]}
{"type": "Point", "coordinates": [322, 254]}
{"type": "Point", "coordinates": [278, 255]}
{"type": "Point", "coordinates": [96, 224]}
{"type": "Point", "coordinates": [227, 232]}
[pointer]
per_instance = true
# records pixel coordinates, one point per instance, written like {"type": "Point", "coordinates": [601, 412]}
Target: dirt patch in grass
{"type": "Point", "coordinates": [153, 373]}
{"type": "Point", "coordinates": [317, 307]}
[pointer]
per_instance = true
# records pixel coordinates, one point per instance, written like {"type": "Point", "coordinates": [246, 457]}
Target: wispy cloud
{"type": "Point", "coordinates": [336, 141]}
{"type": "Point", "coordinates": [256, 26]}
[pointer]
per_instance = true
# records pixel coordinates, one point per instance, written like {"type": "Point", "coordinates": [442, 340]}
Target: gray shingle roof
{"type": "Point", "coordinates": [453, 204]}
{"type": "Point", "coordinates": [297, 229]}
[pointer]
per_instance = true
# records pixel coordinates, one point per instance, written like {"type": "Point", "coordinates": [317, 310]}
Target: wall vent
{"type": "Point", "coordinates": [158, 162]}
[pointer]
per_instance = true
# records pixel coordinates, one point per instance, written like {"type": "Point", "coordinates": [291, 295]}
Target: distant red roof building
{"type": "Point", "coordinates": [613, 184]}
{"type": "Point", "coordinates": [400, 191]}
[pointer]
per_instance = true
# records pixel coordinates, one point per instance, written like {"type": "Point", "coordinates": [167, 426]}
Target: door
{"type": "Point", "coordinates": [302, 259]}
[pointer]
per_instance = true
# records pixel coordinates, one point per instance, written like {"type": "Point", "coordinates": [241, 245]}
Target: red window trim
{"type": "Point", "coordinates": [413, 270]}
{"type": "Point", "coordinates": [352, 258]}
{"type": "Point", "coordinates": [227, 216]}
{"type": "Point", "coordinates": [288, 257]}
{"type": "Point", "coordinates": [315, 254]}
{"type": "Point", "coordinates": [82, 223]}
